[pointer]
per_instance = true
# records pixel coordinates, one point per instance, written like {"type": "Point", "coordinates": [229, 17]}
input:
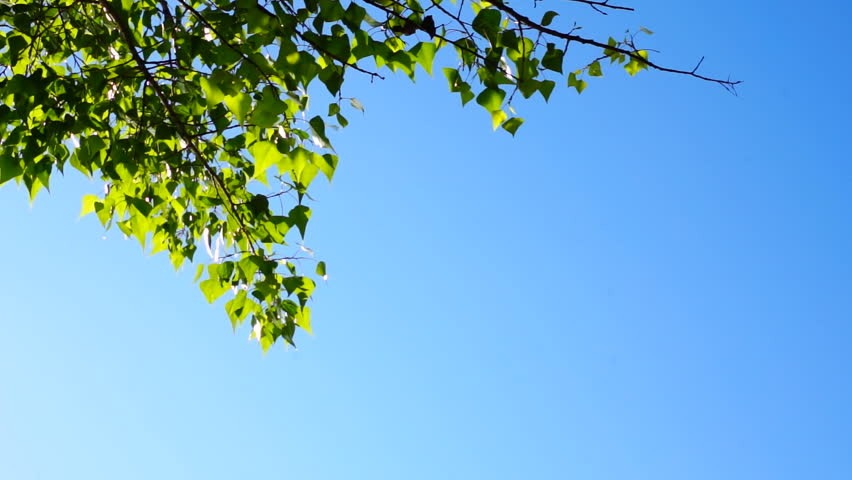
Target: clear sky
{"type": "Point", "coordinates": [652, 281]}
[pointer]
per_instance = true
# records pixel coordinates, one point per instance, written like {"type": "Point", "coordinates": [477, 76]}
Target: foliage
{"type": "Point", "coordinates": [195, 113]}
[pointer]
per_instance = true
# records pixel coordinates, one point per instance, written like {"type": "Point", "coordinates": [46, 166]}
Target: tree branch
{"type": "Point", "coordinates": [605, 4]}
{"type": "Point", "coordinates": [498, 4]}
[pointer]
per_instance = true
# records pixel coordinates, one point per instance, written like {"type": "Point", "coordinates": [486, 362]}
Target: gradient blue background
{"type": "Point", "coordinates": [653, 281]}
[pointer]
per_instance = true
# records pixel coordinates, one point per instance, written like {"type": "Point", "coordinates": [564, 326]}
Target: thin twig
{"type": "Point", "coordinates": [498, 4]}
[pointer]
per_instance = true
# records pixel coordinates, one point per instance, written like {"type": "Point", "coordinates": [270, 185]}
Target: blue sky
{"type": "Point", "coordinates": [652, 281]}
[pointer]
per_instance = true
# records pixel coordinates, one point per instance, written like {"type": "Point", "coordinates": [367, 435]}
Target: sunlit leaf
{"type": "Point", "coordinates": [89, 202]}
{"type": "Point", "coordinates": [491, 99]}
{"type": "Point", "coordinates": [239, 105]}
{"type": "Point", "coordinates": [265, 155]}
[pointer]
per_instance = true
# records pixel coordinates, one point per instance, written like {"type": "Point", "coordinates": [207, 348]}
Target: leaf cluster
{"type": "Point", "coordinates": [196, 114]}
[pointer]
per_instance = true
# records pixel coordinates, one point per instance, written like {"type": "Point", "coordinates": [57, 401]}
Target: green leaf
{"type": "Point", "coordinates": [491, 99]}
{"type": "Point", "coordinates": [466, 95]}
{"type": "Point", "coordinates": [546, 88]}
{"type": "Point", "coordinates": [258, 20]}
{"type": "Point", "coordinates": [487, 22]}
{"type": "Point", "coordinates": [259, 206]}
{"type": "Point", "coordinates": [265, 155]}
{"type": "Point", "coordinates": [237, 308]}
{"type": "Point", "coordinates": [327, 164]}
{"type": "Point", "coordinates": [303, 318]}
{"type": "Point", "coordinates": [269, 109]}
{"type": "Point", "coordinates": [213, 289]}
{"type": "Point", "coordinates": [578, 84]}
{"type": "Point", "coordinates": [332, 78]}
{"type": "Point", "coordinates": [212, 91]}
{"type": "Point", "coordinates": [239, 105]}
{"type": "Point", "coordinates": [453, 78]}
{"type": "Point", "coordinates": [595, 70]}
{"type": "Point", "coordinates": [511, 125]}
{"type": "Point", "coordinates": [552, 59]}
{"type": "Point", "coordinates": [10, 167]}
{"type": "Point", "coordinates": [497, 118]}
{"type": "Point", "coordinates": [425, 54]}
{"type": "Point", "coordinates": [548, 17]}
{"type": "Point", "coordinates": [302, 287]}
{"type": "Point", "coordinates": [634, 66]}
{"type": "Point", "coordinates": [198, 272]}
{"type": "Point", "coordinates": [89, 202]}
{"type": "Point", "coordinates": [318, 129]}
{"type": "Point", "coordinates": [299, 217]}
{"type": "Point", "coordinates": [321, 270]}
